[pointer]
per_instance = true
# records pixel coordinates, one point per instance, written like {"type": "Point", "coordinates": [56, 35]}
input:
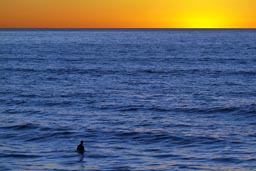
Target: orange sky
{"type": "Point", "coordinates": [127, 13]}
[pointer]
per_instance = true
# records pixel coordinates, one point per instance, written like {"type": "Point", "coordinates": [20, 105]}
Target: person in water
{"type": "Point", "coordinates": [80, 148]}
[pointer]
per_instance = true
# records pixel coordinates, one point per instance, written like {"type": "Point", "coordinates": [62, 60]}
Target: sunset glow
{"type": "Point", "coordinates": [127, 14]}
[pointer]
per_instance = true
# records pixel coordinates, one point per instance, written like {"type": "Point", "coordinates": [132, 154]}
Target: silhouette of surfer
{"type": "Point", "coordinates": [80, 148]}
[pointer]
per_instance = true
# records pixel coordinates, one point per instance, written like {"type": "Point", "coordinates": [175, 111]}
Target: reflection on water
{"type": "Point", "coordinates": [81, 158]}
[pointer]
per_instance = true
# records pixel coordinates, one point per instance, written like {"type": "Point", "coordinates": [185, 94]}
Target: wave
{"type": "Point", "coordinates": [50, 135]}
{"type": "Point", "coordinates": [212, 110]}
{"type": "Point", "coordinates": [13, 155]}
{"type": "Point", "coordinates": [21, 126]}
{"type": "Point", "coordinates": [195, 110]}
{"type": "Point", "coordinates": [130, 72]}
{"type": "Point", "coordinates": [163, 137]}
{"type": "Point", "coordinates": [227, 160]}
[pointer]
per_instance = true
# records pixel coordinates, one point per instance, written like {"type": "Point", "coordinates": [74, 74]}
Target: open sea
{"type": "Point", "coordinates": [142, 100]}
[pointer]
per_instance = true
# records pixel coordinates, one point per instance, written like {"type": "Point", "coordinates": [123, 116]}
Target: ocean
{"type": "Point", "coordinates": [141, 100]}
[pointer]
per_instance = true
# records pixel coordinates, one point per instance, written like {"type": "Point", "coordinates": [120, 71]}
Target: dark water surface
{"type": "Point", "coordinates": [141, 100]}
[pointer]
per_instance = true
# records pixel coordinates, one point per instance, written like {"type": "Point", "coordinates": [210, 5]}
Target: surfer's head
{"type": "Point", "coordinates": [81, 142]}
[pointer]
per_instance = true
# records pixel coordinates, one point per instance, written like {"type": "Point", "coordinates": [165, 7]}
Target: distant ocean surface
{"type": "Point", "coordinates": [142, 100]}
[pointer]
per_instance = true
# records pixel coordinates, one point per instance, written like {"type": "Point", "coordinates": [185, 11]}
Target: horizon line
{"type": "Point", "coordinates": [123, 28]}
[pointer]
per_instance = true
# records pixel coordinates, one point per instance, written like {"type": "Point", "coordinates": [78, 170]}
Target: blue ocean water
{"type": "Point", "coordinates": [141, 100]}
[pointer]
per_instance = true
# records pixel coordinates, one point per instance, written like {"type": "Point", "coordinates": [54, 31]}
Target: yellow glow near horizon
{"type": "Point", "coordinates": [127, 14]}
{"type": "Point", "coordinates": [206, 20]}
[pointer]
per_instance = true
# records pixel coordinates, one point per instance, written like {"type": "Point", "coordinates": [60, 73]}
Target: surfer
{"type": "Point", "coordinates": [80, 148]}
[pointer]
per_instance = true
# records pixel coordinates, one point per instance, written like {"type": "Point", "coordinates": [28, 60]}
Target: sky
{"type": "Point", "coordinates": [127, 13]}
